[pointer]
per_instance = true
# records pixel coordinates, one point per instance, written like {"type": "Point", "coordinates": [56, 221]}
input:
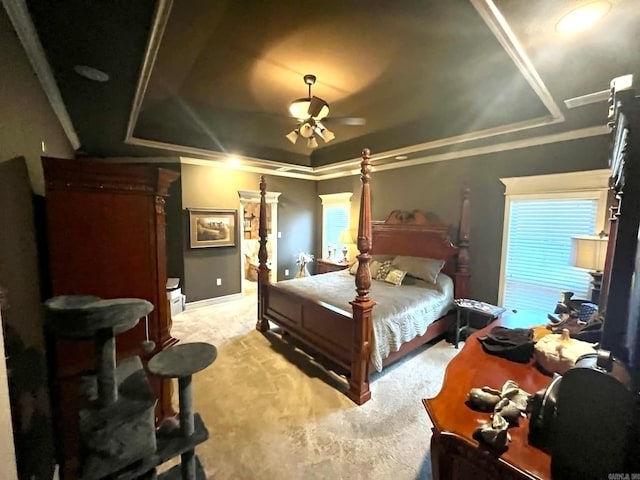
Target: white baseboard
{"type": "Point", "coordinates": [212, 301]}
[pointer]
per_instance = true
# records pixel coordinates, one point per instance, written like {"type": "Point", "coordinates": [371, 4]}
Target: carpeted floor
{"type": "Point", "coordinates": [273, 414]}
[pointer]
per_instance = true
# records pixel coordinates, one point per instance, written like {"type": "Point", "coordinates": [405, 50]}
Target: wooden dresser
{"type": "Point", "coordinates": [454, 452]}
{"type": "Point", "coordinates": [106, 237]}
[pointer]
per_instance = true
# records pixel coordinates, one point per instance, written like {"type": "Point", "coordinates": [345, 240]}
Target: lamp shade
{"type": "Point", "coordinates": [345, 237]}
{"type": "Point", "coordinates": [589, 252]}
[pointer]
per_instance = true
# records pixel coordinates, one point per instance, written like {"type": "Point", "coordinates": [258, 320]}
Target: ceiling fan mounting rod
{"type": "Point", "coordinates": [309, 79]}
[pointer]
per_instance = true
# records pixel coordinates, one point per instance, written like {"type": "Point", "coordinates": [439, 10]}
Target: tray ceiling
{"type": "Point", "coordinates": [211, 79]}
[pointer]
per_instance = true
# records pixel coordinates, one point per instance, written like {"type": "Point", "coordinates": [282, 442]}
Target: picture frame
{"type": "Point", "coordinates": [209, 227]}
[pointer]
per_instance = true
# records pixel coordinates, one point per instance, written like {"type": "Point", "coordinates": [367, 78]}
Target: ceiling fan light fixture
{"type": "Point", "coordinates": [327, 135]}
{"type": "Point", "coordinates": [324, 111]}
{"type": "Point", "coordinates": [583, 17]}
{"type": "Point", "coordinates": [310, 111]}
{"type": "Point", "coordinates": [292, 136]}
{"type": "Point", "coordinates": [300, 108]}
{"type": "Point", "coordinates": [306, 130]}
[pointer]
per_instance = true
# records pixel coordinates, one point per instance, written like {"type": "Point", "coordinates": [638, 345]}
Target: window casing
{"type": "Point", "coordinates": [542, 213]}
{"type": "Point", "coordinates": [336, 209]}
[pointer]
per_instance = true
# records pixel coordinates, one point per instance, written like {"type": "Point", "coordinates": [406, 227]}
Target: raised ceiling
{"type": "Point", "coordinates": [210, 79]}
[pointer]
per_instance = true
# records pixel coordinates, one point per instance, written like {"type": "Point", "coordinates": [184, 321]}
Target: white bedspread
{"type": "Point", "coordinates": [401, 312]}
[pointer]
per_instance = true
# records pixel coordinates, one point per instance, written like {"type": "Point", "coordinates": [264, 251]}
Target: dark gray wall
{"type": "Point", "coordinates": [217, 187]}
{"type": "Point", "coordinates": [174, 231]}
{"type": "Point", "coordinates": [436, 187]}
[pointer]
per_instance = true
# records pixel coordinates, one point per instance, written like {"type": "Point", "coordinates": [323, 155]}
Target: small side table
{"type": "Point", "coordinates": [468, 306]}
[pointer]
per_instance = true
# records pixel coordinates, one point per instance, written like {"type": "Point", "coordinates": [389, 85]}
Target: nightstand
{"type": "Point", "coordinates": [325, 265]}
{"type": "Point", "coordinates": [467, 307]}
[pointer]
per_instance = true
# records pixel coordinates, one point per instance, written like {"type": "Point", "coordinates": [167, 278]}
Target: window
{"type": "Point", "coordinates": [536, 251]}
{"type": "Point", "coordinates": [336, 208]}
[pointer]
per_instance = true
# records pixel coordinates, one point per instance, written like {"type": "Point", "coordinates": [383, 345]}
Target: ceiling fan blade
{"type": "Point", "coordinates": [352, 121]}
{"type": "Point", "coordinates": [315, 106]}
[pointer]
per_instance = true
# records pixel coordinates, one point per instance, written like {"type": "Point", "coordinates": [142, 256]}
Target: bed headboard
{"type": "Point", "coordinates": [417, 234]}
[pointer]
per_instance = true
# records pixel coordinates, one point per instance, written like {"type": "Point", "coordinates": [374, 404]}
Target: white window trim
{"type": "Point", "coordinates": [334, 199]}
{"type": "Point", "coordinates": [584, 184]}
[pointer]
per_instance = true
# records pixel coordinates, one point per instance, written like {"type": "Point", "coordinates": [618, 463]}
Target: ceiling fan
{"type": "Point", "coordinates": [310, 112]}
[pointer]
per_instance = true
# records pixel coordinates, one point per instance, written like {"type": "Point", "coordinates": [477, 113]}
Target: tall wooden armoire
{"type": "Point", "coordinates": [106, 237]}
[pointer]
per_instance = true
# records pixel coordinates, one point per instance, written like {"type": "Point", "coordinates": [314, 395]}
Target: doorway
{"type": "Point", "coordinates": [249, 238]}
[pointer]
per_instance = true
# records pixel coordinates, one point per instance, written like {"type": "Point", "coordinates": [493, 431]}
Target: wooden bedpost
{"type": "Point", "coordinates": [263, 271]}
{"type": "Point", "coordinates": [362, 305]}
{"type": "Point", "coordinates": [464, 236]}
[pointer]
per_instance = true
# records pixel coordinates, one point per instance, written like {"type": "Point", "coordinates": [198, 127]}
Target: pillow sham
{"type": "Point", "coordinates": [382, 271]}
{"type": "Point", "coordinates": [424, 268]}
{"type": "Point", "coordinates": [395, 276]}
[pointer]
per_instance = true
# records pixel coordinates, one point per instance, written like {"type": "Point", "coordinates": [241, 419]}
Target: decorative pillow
{"type": "Point", "coordinates": [395, 276]}
{"type": "Point", "coordinates": [382, 271]}
{"type": "Point", "coordinates": [420, 267]}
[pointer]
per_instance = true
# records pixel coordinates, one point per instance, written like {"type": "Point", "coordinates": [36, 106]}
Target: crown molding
{"type": "Point", "coordinates": [21, 20]}
{"type": "Point", "coordinates": [353, 167]}
{"type": "Point", "coordinates": [503, 33]}
{"type": "Point", "coordinates": [160, 19]}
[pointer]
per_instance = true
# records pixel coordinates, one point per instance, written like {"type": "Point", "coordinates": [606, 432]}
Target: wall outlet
{"type": "Point", "coordinates": [279, 234]}
{"type": "Point", "coordinates": [286, 272]}
{"type": "Point", "coordinates": [218, 282]}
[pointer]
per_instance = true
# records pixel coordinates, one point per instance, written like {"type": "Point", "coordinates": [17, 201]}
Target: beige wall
{"type": "Point", "coordinates": [27, 119]}
{"type": "Point", "coordinates": [217, 187]}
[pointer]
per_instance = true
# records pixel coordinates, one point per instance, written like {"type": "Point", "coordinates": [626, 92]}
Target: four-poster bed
{"type": "Point", "coordinates": [346, 335]}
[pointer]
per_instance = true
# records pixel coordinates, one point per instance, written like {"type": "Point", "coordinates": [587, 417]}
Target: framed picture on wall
{"type": "Point", "coordinates": [212, 227]}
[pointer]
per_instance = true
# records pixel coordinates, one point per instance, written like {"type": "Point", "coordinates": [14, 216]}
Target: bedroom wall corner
{"type": "Point", "coordinates": [217, 187]}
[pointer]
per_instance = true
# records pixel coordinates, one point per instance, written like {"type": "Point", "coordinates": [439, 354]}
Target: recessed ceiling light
{"type": "Point", "coordinates": [583, 17]}
{"type": "Point", "coordinates": [401, 157]}
{"type": "Point", "coordinates": [91, 73]}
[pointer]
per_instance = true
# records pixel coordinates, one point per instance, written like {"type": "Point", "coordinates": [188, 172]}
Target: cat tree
{"type": "Point", "coordinates": [118, 436]}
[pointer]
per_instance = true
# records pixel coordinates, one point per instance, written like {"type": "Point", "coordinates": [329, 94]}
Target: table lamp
{"type": "Point", "coordinates": [346, 239]}
{"type": "Point", "coordinates": [589, 253]}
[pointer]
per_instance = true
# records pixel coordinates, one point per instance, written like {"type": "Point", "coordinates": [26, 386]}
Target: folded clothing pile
{"type": "Point", "coordinates": [508, 405]}
{"type": "Point", "coordinates": [514, 344]}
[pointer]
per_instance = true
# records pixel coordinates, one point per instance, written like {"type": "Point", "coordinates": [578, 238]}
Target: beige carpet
{"type": "Point", "coordinates": [273, 414]}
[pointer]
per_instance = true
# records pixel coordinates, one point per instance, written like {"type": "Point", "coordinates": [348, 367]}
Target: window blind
{"type": "Point", "coordinates": [335, 219]}
{"type": "Point", "coordinates": [538, 260]}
